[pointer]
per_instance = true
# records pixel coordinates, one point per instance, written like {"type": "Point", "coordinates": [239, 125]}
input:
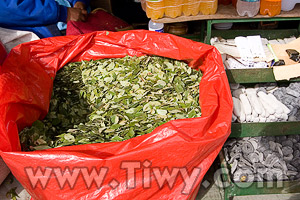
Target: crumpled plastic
{"type": "Point", "coordinates": [26, 81]}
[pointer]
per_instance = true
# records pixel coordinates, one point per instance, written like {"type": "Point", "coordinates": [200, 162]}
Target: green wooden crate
{"type": "Point", "coordinates": [232, 189]}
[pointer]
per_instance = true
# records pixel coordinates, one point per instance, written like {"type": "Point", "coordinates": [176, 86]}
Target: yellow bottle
{"type": "Point", "coordinates": [208, 7]}
{"type": "Point", "coordinates": [191, 7]}
{"type": "Point", "coordinates": [173, 8]}
{"type": "Point", "coordinates": [155, 9]}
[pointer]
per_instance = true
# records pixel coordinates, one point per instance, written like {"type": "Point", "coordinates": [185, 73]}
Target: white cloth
{"type": "Point", "coordinates": [11, 38]}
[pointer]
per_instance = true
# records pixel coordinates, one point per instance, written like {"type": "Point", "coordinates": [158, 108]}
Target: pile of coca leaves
{"type": "Point", "coordinates": [112, 100]}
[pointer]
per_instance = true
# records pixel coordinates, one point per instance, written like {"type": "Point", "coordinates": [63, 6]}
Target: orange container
{"type": "Point", "coordinates": [173, 8]}
{"type": "Point", "coordinates": [155, 9]}
{"type": "Point", "coordinates": [270, 7]}
{"type": "Point", "coordinates": [208, 7]}
{"type": "Point", "coordinates": [190, 7]}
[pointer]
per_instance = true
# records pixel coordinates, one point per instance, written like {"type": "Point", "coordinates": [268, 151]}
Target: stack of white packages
{"type": "Point", "coordinates": [258, 104]}
{"type": "Point", "coordinates": [247, 52]}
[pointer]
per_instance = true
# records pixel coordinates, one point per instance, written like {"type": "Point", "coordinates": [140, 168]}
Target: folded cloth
{"type": "Point", "coordinates": [11, 38]}
{"type": "Point", "coordinates": [98, 20]}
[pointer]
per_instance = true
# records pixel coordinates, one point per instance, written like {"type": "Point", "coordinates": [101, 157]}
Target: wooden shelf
{"type": "Point", "coordinates": [264, 129]}
{"type": "Point", "coordinates": [228, 12]}
{"type": "Point", "coordinates": [259, 75]}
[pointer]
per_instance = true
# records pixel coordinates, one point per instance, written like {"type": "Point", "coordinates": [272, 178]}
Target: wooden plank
{"type": "Point", "coordinates": [264, 129]}
{"type": "Point", "coordinates": [266, 187]}
{"type": "Point", "coordinates": [259, 75]}
{"type": "Point", "coordinates": [270, 197]}
{"type": "Point", "coordinates": [269, 34]}
{"type": "Point", "coordinates": [250, 75]}
{"type": "Point", "coordinates": [228, 12]}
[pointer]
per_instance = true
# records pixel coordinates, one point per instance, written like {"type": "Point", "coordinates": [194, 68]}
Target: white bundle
{"type": "Point", "coordinates": [257, 105]}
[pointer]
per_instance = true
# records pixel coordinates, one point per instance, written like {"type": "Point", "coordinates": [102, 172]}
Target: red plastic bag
{"type": "Point", "coordinates": [186, 147]}
{"type": "Point", "coordinates": [98, 20]}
